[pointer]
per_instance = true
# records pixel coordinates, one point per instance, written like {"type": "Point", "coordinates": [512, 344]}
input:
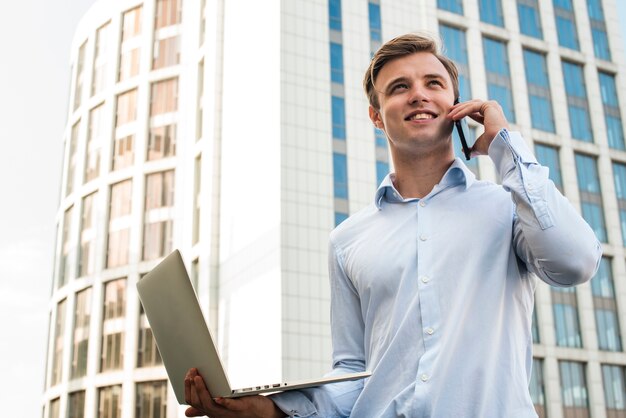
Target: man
{"type": "Point", "coordinates": [432, 284]}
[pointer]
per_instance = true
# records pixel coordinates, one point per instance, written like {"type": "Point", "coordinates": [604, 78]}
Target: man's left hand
{"type": "Point", "coordinates": [487, 113]}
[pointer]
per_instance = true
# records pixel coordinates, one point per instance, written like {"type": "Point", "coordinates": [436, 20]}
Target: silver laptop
{"type": "Point", "coordinates": [185, 341]}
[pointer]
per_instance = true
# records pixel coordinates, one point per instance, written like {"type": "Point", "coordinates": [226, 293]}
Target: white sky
{"type": "Point", "coordinates": [35, 38]}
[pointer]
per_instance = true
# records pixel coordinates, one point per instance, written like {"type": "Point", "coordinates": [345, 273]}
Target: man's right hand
{"type": "Point", "coordinates": [201, 403]}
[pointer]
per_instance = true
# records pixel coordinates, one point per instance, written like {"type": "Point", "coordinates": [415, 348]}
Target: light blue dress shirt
{"type": "Point", "coordinates": [435, 295]}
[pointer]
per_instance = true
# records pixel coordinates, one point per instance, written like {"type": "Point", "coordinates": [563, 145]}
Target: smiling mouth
{"type": "Point", "coordinates": [421, 116]}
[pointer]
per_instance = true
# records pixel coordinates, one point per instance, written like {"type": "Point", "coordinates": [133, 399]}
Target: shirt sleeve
{"type": "Point", "coordinates": [549, 235]}
{"type": "Point", "coordinates": [336, 399]}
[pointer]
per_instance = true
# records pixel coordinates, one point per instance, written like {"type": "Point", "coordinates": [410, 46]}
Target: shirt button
{"type": "Point", "coordinates": [424, 377]}
{"type": "Point", "coordinates": [423, 237]}
{"type": "Point", "coordinates": [422, 203]}
{"type": "Point", "coordinates": [430, 331]}
{"type": "Point", "coordinates": [425, 279]}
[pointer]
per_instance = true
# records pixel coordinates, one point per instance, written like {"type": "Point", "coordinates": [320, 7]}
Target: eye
{"type": "Point", "coordinates": [435, 82]}
{"type": "Point", "coordinates": [399, 87]}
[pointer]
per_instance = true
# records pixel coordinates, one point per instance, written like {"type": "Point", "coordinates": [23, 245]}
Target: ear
{"type": "Point", "coordinates": [375, 118]}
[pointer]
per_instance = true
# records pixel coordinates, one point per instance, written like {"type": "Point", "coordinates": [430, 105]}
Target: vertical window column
{"type": "Point", "coordinates": [612, 115]}
{"type": "Point", "coordinates": [163, 119]}
{"type": "Point", "coordinates": [529, 18]}
{"type": "Point", "coordinates": [114, 308]}
{"type": "Point", "coordinates": [94, 143]}
{"type": "Point", "coordinates": [80, 76]}
{"type": "Point", "coordinates": [566, 24]}
{"type": "Point", "coordinates": [159, 215]}
{"type": "Point", "coordinates": [619, 179]}
{"type": "Point", "coordinates": [131, 43]}
{"type": "Point", "coordinates": [65, 269]}
{"type": "Point", "coordinates": [491, 12]}
{"type": "Point", "coordinates": [614, 391]}
{"type": "Point", "coordinates": [499, 76]}
{"type": "Point", "coordinates": [166, 51]}
{"type": "Point", "coordinates": [119, 224]}
{"type": "Point", "coordinates": [80, 338]}
{"type": "Point", "coordinates": [110, 402]}
{"type": "Point", "coordinates": [574, 389]}
{"type": "Point", "coordinates": [151, 400]}
{"type": "Point", "coordinates": [76, 404]}
{"type": "Point", "coordinates": [147, 353]}
{"type": "Point", "coordinates": [125, 128]}
{"type": "Point", "coordinates": [99, 79]}
{"type": "Point", "coordinates": [338, 108]}
{"type": "Point", "coordinates": [540, 101]}
{"type": "Point", "coordinates": [598, 30]}
{"type": "Point", "coordinates": [577, 103]}
{"type": "Point", "coordinates": [565, 309]}
{"type": "Point", "coordinates": [605, 308]}
{"type": "Point", "coordinates": [590, 194]}
{"type": "Point", "coordinates": [72, 159]}
{"type": "Point", "coordinates": [59, 335]}
{"type": "Point", "coordinates": [88, 229]}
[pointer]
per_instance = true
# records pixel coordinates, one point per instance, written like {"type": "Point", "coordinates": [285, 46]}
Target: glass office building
{"type": "Point", "coordinates": [238, 132]}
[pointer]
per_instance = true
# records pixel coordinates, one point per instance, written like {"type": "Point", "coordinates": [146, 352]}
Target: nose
{"type": "Point", "coordinates": [418, 94]}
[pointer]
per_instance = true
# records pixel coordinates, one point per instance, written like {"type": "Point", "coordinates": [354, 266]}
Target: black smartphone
{"type": "Point", "coordinates": [464, 135]}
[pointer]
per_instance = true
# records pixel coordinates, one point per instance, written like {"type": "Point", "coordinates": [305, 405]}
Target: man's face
{"type": "Point", "coordinates": [415, 94]}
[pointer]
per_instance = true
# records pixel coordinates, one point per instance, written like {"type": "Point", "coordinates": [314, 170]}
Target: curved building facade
{"type": "Point", "coordinates": [237, 132]}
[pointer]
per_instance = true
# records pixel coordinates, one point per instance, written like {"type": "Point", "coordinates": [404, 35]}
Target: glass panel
{"type": "Point", "coordinates": [82, 316]}
{"type": "Point", "coordinates": [334, 14]}
{"type": "Point", "coordinates": [336, 63]}
{"type": "Point", "coordinates": [151, 400]}
{"type": "Point", "coordinates": [339, 117]}
{"type": "Point", "coordinates": [491, 12]}
{"type": "Point", "coordinates": [375, 22]}
{"type": "Point", "coordinates": [455, 6]}
{"type": "Point", "coordinates": [110, 402]}
{"type": "Point", "coordinates": [168, 12]}
{"type": "Point", "coordinates": [340, 175]}
{"type": "Point", "coordinates": [529, 20]}
{"type": "Point", "coordinates": [549, 156]}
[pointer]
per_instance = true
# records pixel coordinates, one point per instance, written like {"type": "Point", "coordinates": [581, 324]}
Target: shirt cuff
{"type": "Point", "coordinates": [508, 148]}
{"type": "Point", "coordinates": [294, 404]}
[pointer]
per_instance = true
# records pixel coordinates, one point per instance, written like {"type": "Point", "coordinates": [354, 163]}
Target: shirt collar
{"type": "Point", "coordinates": [457, 173]}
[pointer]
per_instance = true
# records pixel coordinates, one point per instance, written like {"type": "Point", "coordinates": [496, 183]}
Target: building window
{"type": "Point", "coordinates": [130, 47]}
{"type": "Point", "coordinates": [110, 402]}
{"type": "Point", "coordinates": [590, 194]}
{"type": "Point", "coordinates": [162, 142]}
{"type": "Point", "coordinates": [529, 18]}
{"type": "Point", "coordinates": [566, 24]}
{"type": "Point", "coordinates": [168, 13]}
{"type": "Point", "coordinates": [59, 336]}
{"type": "Point", "coordinates": [535, 326]}
{"type": "Point", "coordinates": [334, 14]}
{"type": "Point", "coordinates": [99, 79]}
{"type": "Point", "coordinates": [164, 98]}
{"type": "Point", "coordinates": [574, 390]}
{"type": "Point", "coordinates": [55, 408]}
{"type": "Point", "coordinates": [537, 392]}
{"type": "Point", "coordinates": [72, 159]}
{"type": "Point", "coordinates": [80, 339]}
{"type": "Point", "coordinates": [577, 104]}
{"type": "Point", "coordinates": [123, 154]}
{"type": "Point", "coordinates": [339, 117]}
{"type": "Point", "coordinates": [619, 178]}
{"type": "Point", "coordinates": [612, 116]}
{"type": "Point", "coordinates": [455, 6]}
{"type": "Point", "coordinates": [80, 76]}
{"type": "Point", "coordinates": [94, 142]}
{"type": "Point", "coordinates": [166, 52]}
{"type": "Point", "coordinates": [375, 22]}
{"type": "Point", "coordinates": [565, 309]}
{"type": "Point", "coordinates": [114, 309]}
{"type": "Point", "coordinates": [66, 249]}
{"type": "Point", "coordinates": [119, 224]}
{"type": "Point", "coordinates": [498, 75]}
{"type": "Point", "coordinates": [382, 169]}
{"type": "Point", "coordinates": [548, 156]}
{"type": "Point", "coordinates": [76, 404]}
{"type": "Point", "coordinates": [456, 49]}
{"type": "Point", "coordinates": [197, 199]}
{"type": "Point", "coordinates": [605, 308]}
{"type": "Point", "coordinates": [598, 30]}
{"type": "Point", "coordinates": [87, 259]}
{"type": "Point", "coordinates": [340, 217]}
{"type": "Point", "coordinates": [336, 63]}
{"type": "Point", "coordinates": [147, 353]}
{"type": "Point", "coordinates": [491, 12]}
{"type": "Point", "coordinates": [614, 391]}
{"type": "Point", "coordinates": [151, 399]}
{"type": "Point", "coordinates": [472, 163]}
{"type": "Point", "coordinates": [538, 91]}
{"type": "Point", "coordinates": [340, 175]}
{"type": "Point", "coordinates": [200, 103]}
{"type": "Point", "coordinates": [158, 217]}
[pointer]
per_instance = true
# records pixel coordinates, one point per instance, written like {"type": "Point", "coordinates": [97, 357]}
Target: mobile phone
{"type": "Point", "coordinates": [464, 135]}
